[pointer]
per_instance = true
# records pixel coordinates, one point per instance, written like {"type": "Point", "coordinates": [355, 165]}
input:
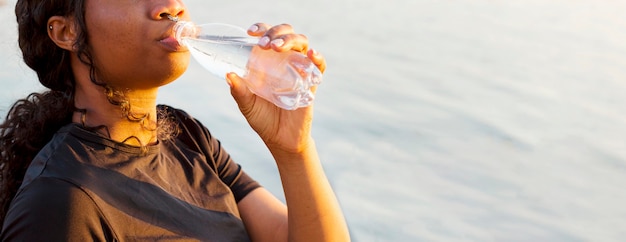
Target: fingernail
{"type": "Point", "coordinates": [253, 28]}
{"type": "Point", "coordinates": [228, 81]}
{"type": "Point", "coordinates": [230, 84]}
{"type": "Point", "coordinates": [278, 42]}
{"type": "Point", "coordinates": [264, 41]}
{"type": "Point", "coordinates": [313, 52]}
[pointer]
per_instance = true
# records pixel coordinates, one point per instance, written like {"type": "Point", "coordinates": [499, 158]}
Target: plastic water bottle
{"type": "Point", "coordinates": [284, 78]}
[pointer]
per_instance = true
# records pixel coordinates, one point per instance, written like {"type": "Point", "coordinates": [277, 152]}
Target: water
{"type": "Point", "coordinates": [284, 78]}
{"type": "Point", "coordinates": [481, 120]}
{"type": "Point", "coordinates": [220, 59]}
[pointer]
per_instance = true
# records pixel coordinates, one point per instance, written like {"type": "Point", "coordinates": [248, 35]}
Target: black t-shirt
{"type": "Point", "coordinates": [83, 187]}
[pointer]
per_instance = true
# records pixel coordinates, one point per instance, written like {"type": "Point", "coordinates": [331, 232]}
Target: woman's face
{"type": "Point", "coordinates": [132, 44]}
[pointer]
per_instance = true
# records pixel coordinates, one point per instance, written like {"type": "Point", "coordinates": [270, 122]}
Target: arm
{"type": "Point", "coordinates": [313, 213]}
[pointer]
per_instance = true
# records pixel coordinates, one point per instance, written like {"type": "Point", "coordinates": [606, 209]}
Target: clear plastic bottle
{"type": "Point", "coordinates": [284, 78]}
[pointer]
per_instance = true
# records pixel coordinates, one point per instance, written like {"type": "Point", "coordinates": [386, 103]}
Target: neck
{"type": "Point", "coordinates": [139, 122]}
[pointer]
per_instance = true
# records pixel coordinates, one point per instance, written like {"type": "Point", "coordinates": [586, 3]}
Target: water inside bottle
{"type": "Point", "coordinates": [284, 78]}
{"type": "Point", "coordinates": [220, 58]}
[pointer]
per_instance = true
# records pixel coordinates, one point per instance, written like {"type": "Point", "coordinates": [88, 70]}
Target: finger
{"type": "Point", "coordinates": [297, 42]}
{"type": "Point", "coordinates": [278, 30]}
{"type": "Point", "coordinates": [242, 95]}
{"type": "Point", "coordinates": [276, 37]}
{"type": "Point", "coordinates": [258, 29]}
{"type": "Point", "coordinates": [317, 59]}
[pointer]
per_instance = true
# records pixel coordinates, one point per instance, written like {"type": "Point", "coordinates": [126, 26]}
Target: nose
{"type": "Point", "coordinates": [163, 8]}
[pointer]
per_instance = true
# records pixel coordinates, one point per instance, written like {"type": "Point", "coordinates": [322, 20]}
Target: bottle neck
{"type": "Point", "coordinates": [184, 29]}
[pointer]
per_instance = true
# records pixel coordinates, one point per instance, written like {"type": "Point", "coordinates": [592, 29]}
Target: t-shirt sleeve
{"type": "Point", "coordinates": [50, 209]}
{"type": "Point", "coordinates": [232, 174]}
{"type": "Point", "coordinates": [198, 137]}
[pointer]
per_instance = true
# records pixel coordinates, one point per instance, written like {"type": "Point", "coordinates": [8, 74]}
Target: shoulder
{"type": "Point", "coordinates": [178, 115]}
{"type": "Point", "coordinates": [57, 210]}
{"type": "Point", "coordinates": [190, 131]}
{"type": "Point", "coordinates": [187, 125]}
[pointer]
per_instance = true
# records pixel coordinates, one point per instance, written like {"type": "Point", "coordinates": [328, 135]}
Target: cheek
{"type": "Point", "coordinates": [111, 56]}
{"type": "Point", "coordinates": [111, 37]}
{"type": "Point", "coordinates": [114, 49]}
{"type": "Point", "coordinates": [110, 34]}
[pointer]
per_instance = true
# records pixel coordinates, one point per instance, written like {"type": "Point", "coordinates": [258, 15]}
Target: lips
{"type": "Point", "coordinates": [168, 39]}
{"type": "Point", "coordinates": [172, 44]}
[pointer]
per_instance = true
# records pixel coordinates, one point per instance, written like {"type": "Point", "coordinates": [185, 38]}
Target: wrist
{"type": "Point", "coordinates": [297, 148]}
{"type": "Point", "coordinates": [294, 154]}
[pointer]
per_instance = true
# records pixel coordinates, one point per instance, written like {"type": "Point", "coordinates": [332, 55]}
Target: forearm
{"type": "Point", "coordinates": [313, 211]}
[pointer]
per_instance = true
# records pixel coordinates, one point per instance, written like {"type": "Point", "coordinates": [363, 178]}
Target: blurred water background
{"type": "Point", "coordinates": [481, 120]}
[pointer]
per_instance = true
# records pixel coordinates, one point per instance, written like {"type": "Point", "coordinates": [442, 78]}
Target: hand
{"type": "Point", "coordinates": [281, 130]}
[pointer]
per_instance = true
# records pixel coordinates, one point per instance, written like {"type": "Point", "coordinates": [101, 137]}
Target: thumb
{"type": "Point", "coordinates": [242, 95]}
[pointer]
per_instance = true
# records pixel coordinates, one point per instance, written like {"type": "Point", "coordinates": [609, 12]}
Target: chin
{"type": "Point", "coordinates": [175, 71]}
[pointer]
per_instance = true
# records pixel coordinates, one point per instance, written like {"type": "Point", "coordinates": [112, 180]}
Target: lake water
{"type": "Point", "coordinates": [481, 120]}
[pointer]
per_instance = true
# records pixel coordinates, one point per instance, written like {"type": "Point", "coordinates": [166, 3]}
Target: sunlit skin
{"type": "Point", "coordinates": [132, 47]}
{"type": "Point", "coordinates": [129, 42]}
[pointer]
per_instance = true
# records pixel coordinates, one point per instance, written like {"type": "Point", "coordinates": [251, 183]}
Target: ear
{"type": "Point", "coordinates": [62, 32]}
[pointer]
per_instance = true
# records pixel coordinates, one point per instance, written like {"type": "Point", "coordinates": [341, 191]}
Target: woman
{"type": "Point", "coordinates": [94, 157]}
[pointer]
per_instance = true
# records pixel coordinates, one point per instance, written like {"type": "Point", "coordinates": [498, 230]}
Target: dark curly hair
{"type": "Point", "coordinates": [31, 122]}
